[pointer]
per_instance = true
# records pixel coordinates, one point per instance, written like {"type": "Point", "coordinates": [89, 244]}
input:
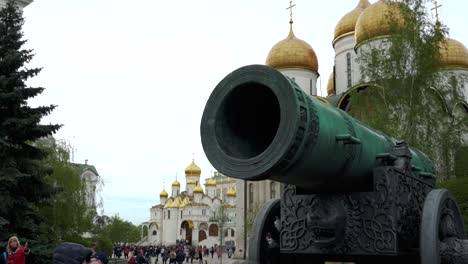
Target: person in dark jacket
{"type": "Point", "coordinates": [3, 255]}
{"type": "Point", "coordinates": [71, 253]}
{"type": "Point", "coordinates": [180, 257]}
{"type": "Point", "coordinates": [140, 258]}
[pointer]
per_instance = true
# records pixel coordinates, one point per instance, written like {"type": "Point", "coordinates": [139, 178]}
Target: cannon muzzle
{"type": "Point", "coordinates": [258, 124]}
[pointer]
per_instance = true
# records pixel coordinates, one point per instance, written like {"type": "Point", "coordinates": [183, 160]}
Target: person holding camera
{"type": "Point", "coordinates": [15, 252]}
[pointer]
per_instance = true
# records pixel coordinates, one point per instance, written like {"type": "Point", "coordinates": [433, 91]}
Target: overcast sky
{"type": "Point", "coordinates": [131, 78]}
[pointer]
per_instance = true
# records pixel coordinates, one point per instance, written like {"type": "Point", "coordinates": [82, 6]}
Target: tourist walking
{"type": "Point", "coordinates": [15, 252]}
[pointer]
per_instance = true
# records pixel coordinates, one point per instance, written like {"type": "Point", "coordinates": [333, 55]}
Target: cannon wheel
{"type": "Point", "coordinates": [264, 223]}
{"type": "Point", "coordinates": [439, 205]}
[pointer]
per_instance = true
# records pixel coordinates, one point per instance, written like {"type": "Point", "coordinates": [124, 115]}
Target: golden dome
{"type": "Point", "coordinates": [231, 192]}
{"type": "Point", "coordinates": [175, 204]}
{"type": "Point", "coordinates": [453, 54]}
{"type": "Point", "coordinates": [331, 85]}
{"type": "Point", "coordinates": [347, 23]}
{"type": "Point", "coordinates": [198, 189]}
{"type": "Point", "coordinates": [192, 169]}
{"type": "Point", "coordinates": [164, 194]}
{"type": "Point", "coordinates": [374, 21]}
{"type": "Point", "coordinates": [211, 183]}
{"type": "Point", "coordinates": [292, 53]}
{"type": "Point", "coordinates": [191, 182]}
{"type": "Point", "coordinates": [176, 183]}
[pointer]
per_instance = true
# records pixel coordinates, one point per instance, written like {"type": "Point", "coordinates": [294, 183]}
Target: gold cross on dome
{"type": "Point", "coordinates": [436, 8]}
{"type": "Point", "coordinates": [290, 9]}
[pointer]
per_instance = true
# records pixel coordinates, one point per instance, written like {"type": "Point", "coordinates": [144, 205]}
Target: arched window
{"type": "Point", "coordinates": [232, 232]}
{"type": "Point", "coordinates": [251, 196]}
{"type": "Point", "coordinates": [181, 214]}
{"type": "Point", "coordinates": [272, 190]}
{"type": "Point", "coordinates": [169, 215]}
{"type": "Point", "coordinates": [155, 233]}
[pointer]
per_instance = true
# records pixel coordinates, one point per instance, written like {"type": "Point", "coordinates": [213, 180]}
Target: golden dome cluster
{"type": "Point", "coordinates": [347, 23]}
{"type": "Point", "coordinates": [453, 54]}
{"type": "Point", "coordinates": [193, 169]}
{"type": "Point", "coordinates": [292, 53]}
{"type": "Point", "coordinates": [374, 21]}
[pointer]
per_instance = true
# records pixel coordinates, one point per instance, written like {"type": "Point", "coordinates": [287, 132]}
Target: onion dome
{"type": "Point", "coordinates": [375, 22]}
{"type": "Point", "coordinates": [176, 183]}
{"type": "Point", "coordinates": [164, 194]}
{"type": "Point", "coordinates": [211, 183]}
{"type": "Point", "coordinates": [175, 204]}
{"type": "Point", "coordinates": [292, 53]}
{"type": "Point", "coordinates": [347, 23]}
{"type": "Point", "coordinates": [191, 182]}
{"type": "Point", "coordinates": [453, 54]}
{"type": "Point", "coordinates": [198, 189]}
{"type": "Point", "coordinates": [331, 85]}
{"type": "Point", "coordinates": [231, 192]}
{"type": "Point", "coordinates": [192, 169]}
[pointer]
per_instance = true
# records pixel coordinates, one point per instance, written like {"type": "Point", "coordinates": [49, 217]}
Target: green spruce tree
{"type": "Point", "coordinates": [23, 185]}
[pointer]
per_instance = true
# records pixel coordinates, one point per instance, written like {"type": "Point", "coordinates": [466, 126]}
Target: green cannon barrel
{"type": "Point", "coordinates": [259, 124]}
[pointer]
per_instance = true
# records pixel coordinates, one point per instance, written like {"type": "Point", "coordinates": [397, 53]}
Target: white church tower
{"type": "Point", "coordinates": [296, 59]}
{"type": "Point", "coordinates": [346, 73]}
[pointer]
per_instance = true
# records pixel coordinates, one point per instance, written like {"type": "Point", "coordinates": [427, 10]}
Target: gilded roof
{"type": "Point", "coordinates": [211, 183]}
{"type": "Point", "coordinates": [453, 54]}
{"type": "Point", "coordinates": [175, 204]}
{"type": "Point", "coordinates": [347, 23]}
{"type": "Point", "coordinates": [231, 192]}
{"type": "Point", "coordinates": [164, 194]}
{"type": "Point", "coordinates": [176, 183]}
{"type": "Point", "coordinates": [292, 53]}
{"type": "Point", "coordinates": [191, 182]}
{"type": "Point", "coordinates": [331, 85]}
{"type": "Point", "coordinates": [192, 169]}
{"type": "Point", "coordinates": [375, 21]}
{"type": "Point", "coordinates": [198, 189]}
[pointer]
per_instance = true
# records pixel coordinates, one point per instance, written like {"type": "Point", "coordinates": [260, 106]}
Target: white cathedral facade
{"type": "Point", "coordinates": [193, 214]}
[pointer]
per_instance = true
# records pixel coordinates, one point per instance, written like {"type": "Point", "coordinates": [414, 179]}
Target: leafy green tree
{"type": "Point", "coordinates": [405, 98]}
{"type": "Point", "coordinates": [119, 230]}
{"type": "Point", "coordinates": [67, 216]}
{"type": "Point", "coordinates": [22, 173]}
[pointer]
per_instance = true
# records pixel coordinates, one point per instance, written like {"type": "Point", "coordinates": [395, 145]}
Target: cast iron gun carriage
{"type": "Point", "coordinates": [348, 192]}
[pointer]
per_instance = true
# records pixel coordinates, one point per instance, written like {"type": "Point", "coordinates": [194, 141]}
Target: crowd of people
{"type": "Point", "coordinates": [73, 253]}
{"type": "Point", "coordinates": [177, 254]}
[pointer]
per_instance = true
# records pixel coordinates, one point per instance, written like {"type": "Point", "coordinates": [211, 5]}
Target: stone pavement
{"type": "Point", "coordinates": [209, 260]}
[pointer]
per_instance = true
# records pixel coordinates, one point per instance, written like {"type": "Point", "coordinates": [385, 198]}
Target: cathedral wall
{"type": "Point", "coordinates": [344, 54]}
{"type": "Point", "coordinates": [306, 79]}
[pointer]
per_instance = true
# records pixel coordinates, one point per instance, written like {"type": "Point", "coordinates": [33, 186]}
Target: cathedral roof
{"type": "Point", "coordinates": [292, 52]}
{"type": "Point", "coordinates": [347, 23]}
{"type": "Point", "coordinates": [192, 169]}
{"type": "Point", "coordinates": [453, 54]}
{"type": "Point", "coordinates": [175, 204]}
{"type": "Point", "coordinates": [375, 22]}
{"type": "Point", "coordinates": [159, 206]}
